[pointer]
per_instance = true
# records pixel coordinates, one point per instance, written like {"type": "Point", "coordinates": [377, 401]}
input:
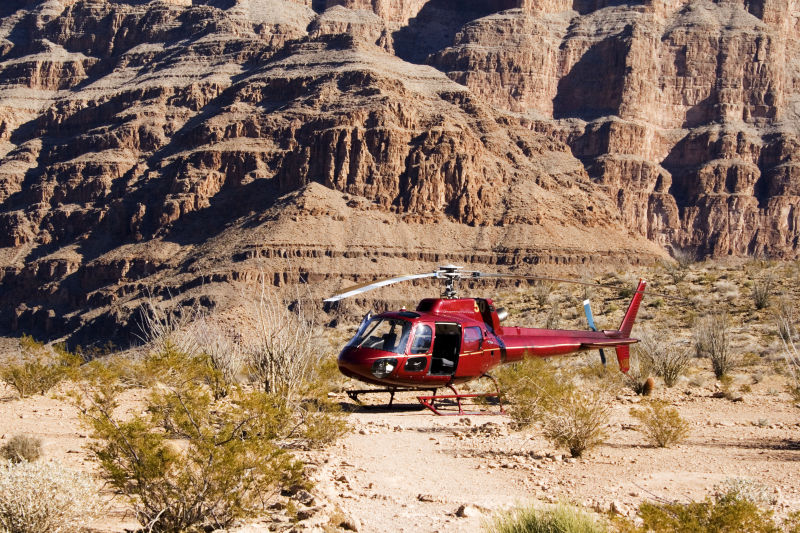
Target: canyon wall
{"type": "Point", "coordinates": [171, 148]}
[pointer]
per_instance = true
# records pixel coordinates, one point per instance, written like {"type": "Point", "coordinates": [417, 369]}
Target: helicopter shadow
{"type": "Point", "coordinates": [395, 408]}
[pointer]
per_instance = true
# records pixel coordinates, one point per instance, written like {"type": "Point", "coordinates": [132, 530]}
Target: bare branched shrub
{"type": "Point", "coordinates": [683, 260]}
{"type": "Point", "coordinates": [577, 421]}
{"type": "Point", "coordinates": [662, 424]}
{"type": "Point", "coordinates": [162, 326]}
{"type": "Point", "coordinates": [44, 497]}
{"type": "Point", "coordinates": [790, 337]}
{"type": "Point", "coordinates": [662, 355]}
{"type": "Point", "coordinates": [542, 291]}
{"type": "Point", "coordinates": [553, 317]}
{"type": "Point", "coordinates": [225, 356]}
{"type": "Point", "coordinates": [712, 337]}
{"type": "Point", "coordinates": [22, 448]}
{"type": "Point", "coordinates": [286, 351]}
{"type": "Point", "coordinates": [638, 376]}
{"type": "Point", "coordinates": [761, 290]}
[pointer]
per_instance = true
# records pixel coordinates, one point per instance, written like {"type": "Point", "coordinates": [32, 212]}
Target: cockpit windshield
{"type": "Point", "coordinates": [387, 334]}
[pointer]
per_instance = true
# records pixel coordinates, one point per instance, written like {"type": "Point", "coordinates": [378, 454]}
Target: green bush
{"type": "Point", "coordinates": [38, 368]}
{"type": "Point", "coordinates": [22, 448]}
{"type": "Point", "coordinates": [552, 519]}
{"type": "Point", "coordinates": [533, 392]}
{"type": "Point", "coordinates": [577, 421]}
{"type": "Point", "coordinates": [726, 512]}
{"type": "Point", "coordinates": [662, 425]}
{"type": "Point", "coordinates": [529, 388]}
{"type": "Point", "coordinates": [219, 460]}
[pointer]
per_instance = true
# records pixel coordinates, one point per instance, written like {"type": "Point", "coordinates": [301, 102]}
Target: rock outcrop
{"type": "Point", "coordinates": [172, 147]}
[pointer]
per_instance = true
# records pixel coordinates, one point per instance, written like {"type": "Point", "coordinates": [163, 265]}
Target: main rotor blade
{"type": "Point", "coordinates": [531, 278]}
{"type": "Point", "coordinates": [364, 287]}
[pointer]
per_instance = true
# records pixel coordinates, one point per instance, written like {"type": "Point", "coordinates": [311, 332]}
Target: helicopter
{"type": "Point", "coordinates": [449, 340]}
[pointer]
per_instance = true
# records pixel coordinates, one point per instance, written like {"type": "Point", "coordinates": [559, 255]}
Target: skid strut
{"type": "Point", "coordinates": [430, 401]}
{"type": "Point", "coordinates": [353, 394]}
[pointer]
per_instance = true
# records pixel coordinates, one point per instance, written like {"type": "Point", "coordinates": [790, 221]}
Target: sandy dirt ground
{"type": "Point", "coordinates": [404, 469]}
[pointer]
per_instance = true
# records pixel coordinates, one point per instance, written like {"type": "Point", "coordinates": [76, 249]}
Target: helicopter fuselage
{"type": "Point", "coordinates": [451, 341]}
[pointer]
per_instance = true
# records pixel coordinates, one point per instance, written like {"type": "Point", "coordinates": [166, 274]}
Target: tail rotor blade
{"type": "Point", "coordinates": [587, 308]}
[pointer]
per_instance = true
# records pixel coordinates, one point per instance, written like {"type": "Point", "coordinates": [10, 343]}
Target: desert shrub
{"type": "Point", "coordinates": [788, 332]}
{"type": "Point", "coordinates": [542, 291]}
{"type": "Point", "coordinates": [577, 421]}
{"type": "Point", "coordinates": [553, 316]}
{"type": "Point", "coordinates": [219, 460]}
{"type": "Point", "coordinates": [560, 518]}
{"type": "Point", "coordinates": [44, 497]}
{"type": "Point", "coordinates": [663, 357]}
{"type": "Point", "coordinates": [713, 340]}
{"type": "Point", "coordinates": [683, 260]}
{"type": "Point", "coordinates": [286, 352]}
{"type": "Point", "coordinates": [529, 388]}
{"type": "Point", "coordinates": [724, 512]}
{"type": "Point", "coordinates": [38, 368]}
{"type": "Point", "coordinates": [534, 392]}
{"type": "Point", "coordinates": [21, 448]}
{"type": "Point", "coordinates": [638, 376]}
{"type": "Point", "coordinates": [761, 290]}
{"type": "Point", "coordinates": [662, 424]}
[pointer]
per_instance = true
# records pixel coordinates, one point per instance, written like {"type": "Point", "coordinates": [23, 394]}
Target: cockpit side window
{"type": "Point", "coordinates": [423, 336]}
{"type": "Point", "coordinates": [387, 334]}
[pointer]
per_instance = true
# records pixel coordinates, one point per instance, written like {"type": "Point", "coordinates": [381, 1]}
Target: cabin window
{"type": "Point", "coordinates": [423, 336]}
{"type": "Point", "coordinates": [472, 339]}
{"type": "Point", "coordinates": [387, 334]}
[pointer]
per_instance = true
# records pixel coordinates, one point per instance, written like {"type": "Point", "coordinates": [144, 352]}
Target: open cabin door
{"type": "Point", "coordinates": [446, 346]}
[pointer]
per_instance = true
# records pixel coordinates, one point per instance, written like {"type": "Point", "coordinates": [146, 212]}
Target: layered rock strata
{"type": "Point", "coordinates": [171, 148]}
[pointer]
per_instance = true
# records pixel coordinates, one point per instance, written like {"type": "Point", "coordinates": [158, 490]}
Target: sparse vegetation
{"type": "Point", "coordinates": [286, 351]}
{"type": "Point", "coordinates": [21, 448]}
{"type": "Point", "coordinates": [38, 368]}
{"type": "Point", "coordinates": [219, 460]}
{"type": "Point", "coordinates": [44, 497]}
{"type": "Point", "coordinates": [560, 518]}
{"type": "Point", "coordinates": [638, 376]}
{"type": "Point", "coordinates": [761, 290]}
{"type": "Point", "coordinates": [666, 358]}
{"type": "Point", "coordinates": [713, 340]}
{"type": "Point", "coordinates": [728, 511]}
{"type": "Point", "coordinates": [679, 269]}
{"type": "Point", "coordinates": [577, 421]}
{"type": "Point", "coordinates": [661, 424]}
{"type": "Point", "coordinates": [529, 388]}
{"type": "Point", "coordinates": [542, 291]}
{"type": "Point", "coordinates": [573, 419]}
{"type": "Point", "coordinates": [788, 332]}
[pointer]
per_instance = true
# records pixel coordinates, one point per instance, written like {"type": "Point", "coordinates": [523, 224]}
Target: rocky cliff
{"type": "Point", "coordinates": [173, 147]}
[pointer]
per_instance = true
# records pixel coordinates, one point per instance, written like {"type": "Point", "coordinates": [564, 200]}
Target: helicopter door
{"type": "Point", "coordinates": [446, 345]}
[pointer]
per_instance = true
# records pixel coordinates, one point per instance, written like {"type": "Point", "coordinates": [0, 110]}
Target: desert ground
{"type": "Point", "coordinates": [405, 469]}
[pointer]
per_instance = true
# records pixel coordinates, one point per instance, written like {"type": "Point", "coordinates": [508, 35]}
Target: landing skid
{"type": "Point", "coordinates": [353, 394]}
{"type": "Point", "coordinates": [430, 401]}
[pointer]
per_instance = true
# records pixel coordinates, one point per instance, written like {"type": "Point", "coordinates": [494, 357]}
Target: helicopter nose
{"type": "Point", "coordinates": [352, 360]}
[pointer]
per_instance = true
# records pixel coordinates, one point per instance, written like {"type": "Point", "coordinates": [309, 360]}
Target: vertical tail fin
{"type": "Point", "coordinates": [623, 355]}
{"type": "Point", "coordinates": [633, 308]}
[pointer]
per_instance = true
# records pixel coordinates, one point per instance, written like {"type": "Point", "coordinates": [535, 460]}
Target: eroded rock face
{"type": "Point", "coordinates": [171, 147]}
{"type": "Point", "coordinates": [679, 109]}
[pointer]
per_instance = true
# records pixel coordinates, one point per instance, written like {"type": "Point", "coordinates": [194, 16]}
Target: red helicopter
{"type": "Point", "coordinates": [449, 340]}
